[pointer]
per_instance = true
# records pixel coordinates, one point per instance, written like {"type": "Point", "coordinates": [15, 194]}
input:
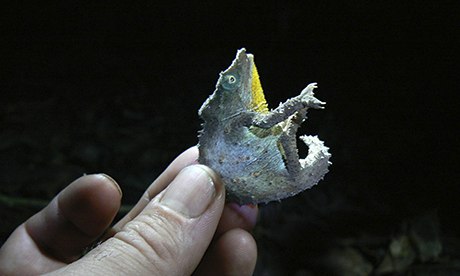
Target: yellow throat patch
{"type": "Point", "coordinates": [258, 103]}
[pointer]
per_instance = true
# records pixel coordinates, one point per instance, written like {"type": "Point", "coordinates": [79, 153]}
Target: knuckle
{"type": "Point", "coordinates": [154, 236]}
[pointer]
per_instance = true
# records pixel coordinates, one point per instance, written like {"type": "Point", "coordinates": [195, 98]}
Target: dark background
{"type": "Point", "coordinates": [115, 88]}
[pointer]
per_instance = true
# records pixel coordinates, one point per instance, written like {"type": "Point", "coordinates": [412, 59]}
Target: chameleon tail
{"type": "Point", "coordinates": [314, 166]}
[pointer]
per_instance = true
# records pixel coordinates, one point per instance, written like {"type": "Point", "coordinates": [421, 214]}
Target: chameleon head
{"type": "Point", "coordinates": [241, 81]}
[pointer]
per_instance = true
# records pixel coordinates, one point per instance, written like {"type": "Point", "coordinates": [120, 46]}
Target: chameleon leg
{"type": "Point", "coordinates": [290, 108]}
{"type": "Point", "coordinates": [308, 171]}
{"type": "Point", "coordinates": [288, 142]}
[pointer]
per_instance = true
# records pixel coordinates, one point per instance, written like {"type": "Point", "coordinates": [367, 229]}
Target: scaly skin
{"type": "Point", "coordinates": [253, 149]}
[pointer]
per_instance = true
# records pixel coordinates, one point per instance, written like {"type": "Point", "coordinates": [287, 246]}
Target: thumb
{"type": "Point", "coordinates": [171, 234]}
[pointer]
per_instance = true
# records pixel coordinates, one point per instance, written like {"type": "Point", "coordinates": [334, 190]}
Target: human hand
{"type": "Point", "coordinates": [179, 226]}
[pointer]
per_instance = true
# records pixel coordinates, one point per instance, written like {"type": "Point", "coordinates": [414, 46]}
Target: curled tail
{"type": "Point", "coordinates": [315, 165]}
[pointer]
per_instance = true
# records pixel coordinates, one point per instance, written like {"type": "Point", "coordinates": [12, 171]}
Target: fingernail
{"type": "Point", "coordinates": [115, 184]}
{"type": "Point", "coordinates": [191, 192]}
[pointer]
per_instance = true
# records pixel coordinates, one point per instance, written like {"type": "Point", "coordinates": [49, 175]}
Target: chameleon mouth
{"type": "Point", "coordinates": [258, 102]}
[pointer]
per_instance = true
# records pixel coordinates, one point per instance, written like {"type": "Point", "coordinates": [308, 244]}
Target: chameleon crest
{"type": "Point", "coordinates": [252, 148]}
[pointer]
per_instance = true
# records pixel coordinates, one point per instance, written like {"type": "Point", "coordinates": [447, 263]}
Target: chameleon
{"type": "Point", "coordinates": [252, 148]}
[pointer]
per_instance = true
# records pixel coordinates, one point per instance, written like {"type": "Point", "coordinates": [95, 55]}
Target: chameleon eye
{"type": "Point", "coordinates": [230, 82]}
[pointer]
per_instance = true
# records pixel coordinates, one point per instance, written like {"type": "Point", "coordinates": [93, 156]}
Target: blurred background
{"type": "Point", "coordinates": [89, 87]}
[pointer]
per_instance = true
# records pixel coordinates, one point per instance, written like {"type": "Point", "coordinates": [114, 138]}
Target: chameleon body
{"type": "Point", "coordinates": [252, 148]}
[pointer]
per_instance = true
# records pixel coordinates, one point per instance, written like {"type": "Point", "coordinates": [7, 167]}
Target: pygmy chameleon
{"type": "Point", "coordinates": [252, 148]}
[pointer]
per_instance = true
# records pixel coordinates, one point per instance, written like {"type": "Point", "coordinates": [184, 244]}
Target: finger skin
{"type": "Point", "coordinates": [83, 210]}
{"type": "Point", "coordinates": [161, 240]}
{"type": "Point", "coordinates": [234, 253]}
{"type": "Point", "coordinates": [76, 217]}
{"type": "Point", "coordinates": [185, 159]}
{"type": "Point", "coordinates": [236, 216]}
